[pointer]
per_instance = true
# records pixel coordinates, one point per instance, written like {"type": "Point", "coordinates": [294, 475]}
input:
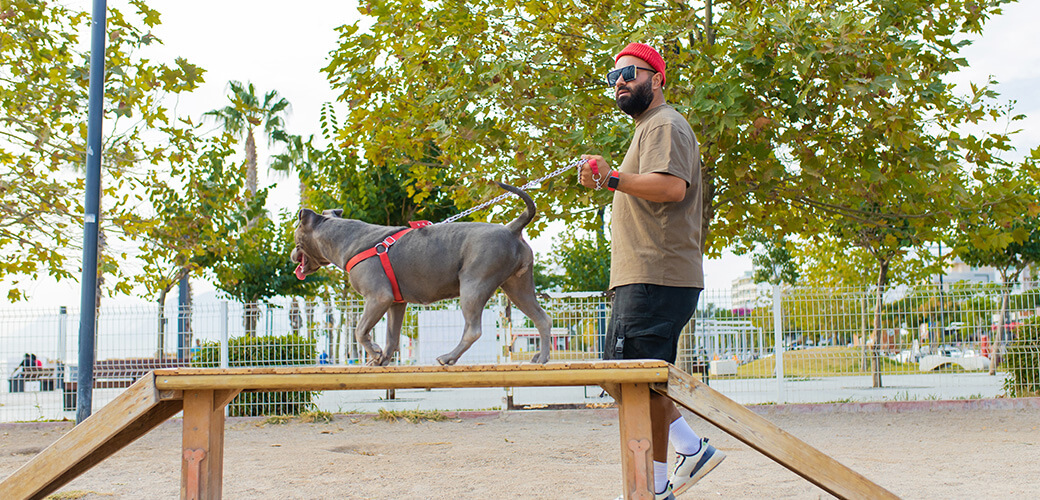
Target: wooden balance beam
{"type": "Point", "coordinates": [202, 394]}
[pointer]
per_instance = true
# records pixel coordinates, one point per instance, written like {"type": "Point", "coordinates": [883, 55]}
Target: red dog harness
{"type": "Point", "coordinates": [381, 250]}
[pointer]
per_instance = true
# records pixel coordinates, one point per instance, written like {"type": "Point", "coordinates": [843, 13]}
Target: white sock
{"type": "Point", "coordinates": [683, 438]}
{"type": "Point", "coordinates": [660, 476]}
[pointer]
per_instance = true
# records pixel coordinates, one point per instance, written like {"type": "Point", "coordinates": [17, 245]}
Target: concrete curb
{"type": "Point", "coordinates": [898, 406]}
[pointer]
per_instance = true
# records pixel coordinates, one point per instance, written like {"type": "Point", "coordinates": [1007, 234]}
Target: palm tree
{"type": "Point", "coordinates": [245, 114]}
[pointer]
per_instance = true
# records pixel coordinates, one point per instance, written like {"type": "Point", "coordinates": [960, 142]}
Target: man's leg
{"type": "Point", "coordinates": [662, 414]}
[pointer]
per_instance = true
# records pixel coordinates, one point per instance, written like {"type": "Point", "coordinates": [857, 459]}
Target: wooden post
{"type": "Point", "coordinates": [637, 462]}
{"type": "Point", "coordinates": [202, 454]}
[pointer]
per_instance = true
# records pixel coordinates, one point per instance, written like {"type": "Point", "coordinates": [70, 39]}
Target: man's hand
{"type": "Point", "coordinates": [588, 178]}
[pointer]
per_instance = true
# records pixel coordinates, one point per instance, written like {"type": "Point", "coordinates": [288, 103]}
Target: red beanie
{"type": "Point", "coordinates": [646, 53]}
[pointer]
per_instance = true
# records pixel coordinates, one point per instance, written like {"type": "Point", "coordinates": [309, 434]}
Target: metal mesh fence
{"type": "Point", "coordinates": [775, 345]}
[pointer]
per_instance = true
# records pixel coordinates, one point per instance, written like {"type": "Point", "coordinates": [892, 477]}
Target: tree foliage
{"type": "Point", "coordinates": [200, 206]}
{"type": "Point", "coordinates": [43, 116]}
{"type": "Point", "coordinates": [815, 118]}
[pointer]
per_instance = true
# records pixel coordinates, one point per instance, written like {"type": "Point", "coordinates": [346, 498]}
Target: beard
{"type": "Point", "coordinates": [638, 98]}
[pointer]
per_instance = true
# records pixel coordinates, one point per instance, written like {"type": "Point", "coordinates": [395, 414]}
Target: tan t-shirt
{"type": "Point", "coordinates": [651, 242]}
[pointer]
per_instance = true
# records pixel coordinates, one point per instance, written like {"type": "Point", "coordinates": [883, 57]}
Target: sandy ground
{"type": "Point", "coordinates": [925, 453]}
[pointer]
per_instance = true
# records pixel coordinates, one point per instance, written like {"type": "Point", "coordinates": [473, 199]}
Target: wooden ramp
{"type": "Point", "coordinates": [131, 415]}
{"type": "Point", "coordinates": [202, 393]}
{"type": "Point", "coordinates": [770, 440]}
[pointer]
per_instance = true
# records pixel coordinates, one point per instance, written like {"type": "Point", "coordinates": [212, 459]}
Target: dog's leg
{"type": "Point", "coordinates": [394, 321]}
{"type": "Point", "coordinates": [374, 309]}
{"type": "Point", "coordinates": [520, 289]}
{"type": "Point", "coordinates": [472, 301]}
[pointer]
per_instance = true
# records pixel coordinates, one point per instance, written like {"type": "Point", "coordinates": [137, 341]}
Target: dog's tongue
{"type": "Point", "coordinates": [299, 271]}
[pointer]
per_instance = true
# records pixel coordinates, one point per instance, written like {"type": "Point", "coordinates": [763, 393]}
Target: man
{"type": "Point", "coordinates": [655, 271]}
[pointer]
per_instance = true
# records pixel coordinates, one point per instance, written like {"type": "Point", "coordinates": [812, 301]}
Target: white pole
{"type": "Point", "coordinates": [62, 335]}
{"type": "Point", "coordinates": [778, 348]}
{"type": "Point", "coordinates": [223, 320]}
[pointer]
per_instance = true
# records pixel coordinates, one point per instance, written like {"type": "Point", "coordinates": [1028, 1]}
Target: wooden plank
{"type": "Point", "coordinates": [336, 380]}
{"type": "Point", "coordinates": [202, 457]}
{"type": "Point", "coordinates": [512, 367]}
{"type": "Point", "coordinates": [770, 440]}
{"type": "Point", "coordinates": [126, 418]}
{"type": "Point", "coordinates": [637, 460]}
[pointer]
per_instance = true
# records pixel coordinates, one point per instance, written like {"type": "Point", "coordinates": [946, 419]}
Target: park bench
{"type": "Point", "coordinates": [116, 374]}
{"type": "Point", "coordinates": [45, 375]}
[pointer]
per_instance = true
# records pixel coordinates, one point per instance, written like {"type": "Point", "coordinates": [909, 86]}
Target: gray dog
{"type": "Point", "coordinates": [469, 260]}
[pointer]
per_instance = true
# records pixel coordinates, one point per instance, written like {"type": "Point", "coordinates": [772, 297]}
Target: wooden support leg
{"type": "Point", "coordinates": [202, 456]}
{"type": "Point", "coordinates": [637, 461]}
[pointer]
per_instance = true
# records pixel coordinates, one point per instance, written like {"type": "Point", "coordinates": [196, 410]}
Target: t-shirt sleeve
{"type": "Point", "coordinates": [666, 149]}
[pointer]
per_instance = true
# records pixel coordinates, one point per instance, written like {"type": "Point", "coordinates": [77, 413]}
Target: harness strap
{"type": "Point", "coordinates": [381, 250]}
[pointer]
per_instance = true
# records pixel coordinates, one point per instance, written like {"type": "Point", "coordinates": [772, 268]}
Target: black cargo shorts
{"type": "Point", "coordinates": [646, 321]}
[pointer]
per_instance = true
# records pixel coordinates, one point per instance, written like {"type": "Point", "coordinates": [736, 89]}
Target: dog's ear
{"type": "Point", "coordinates": [307, 217]}
{"type": "Point", "coordinates": [335, 212]}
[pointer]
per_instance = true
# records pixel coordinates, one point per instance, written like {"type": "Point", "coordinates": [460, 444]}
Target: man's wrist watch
{"type": "Point", "coordinates": [613, 180]}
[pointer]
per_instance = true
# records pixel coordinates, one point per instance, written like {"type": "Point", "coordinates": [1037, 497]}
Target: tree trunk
{"type": "Point", "coordinates": [864, 359]}
{"type": "Point", "coordinates": [250, 317]}
{"type": "Point", "coordinates": [997, 342]}
{"type": "Point", "coordinates": [250, 163]}
{"type": "Point", "coordinates": [162, 323]}
{"type": "Point", "coordinates": [881, 283]}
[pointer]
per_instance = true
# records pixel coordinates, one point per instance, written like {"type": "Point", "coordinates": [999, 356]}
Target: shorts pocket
{"type": "Point", "coordinates": [647, 338]}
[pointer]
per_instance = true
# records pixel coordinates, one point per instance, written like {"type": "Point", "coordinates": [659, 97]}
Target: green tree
{"type": "Point", "coordinates": [197, 206]}
{"type": "Point", "coordinates": [773, 261]}
{"type": "Point", "coordinates": [987, 238]}
{"type": "Point", "coordinates": [585, 262]}
{"type": "Point", "coordinates": [808, 112]}
{"type": "Point", "coordinates": [241, 118]}
{"type": "Point", "coordinates": [256, 266]}
{"type": "Point", "coordinates": [247, 112]}
{"type": "Point", "coordinates": [43, 116]}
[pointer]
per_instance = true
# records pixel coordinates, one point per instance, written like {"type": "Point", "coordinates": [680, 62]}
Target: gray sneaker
{"type": "Point", "coordinates": [691, 468]}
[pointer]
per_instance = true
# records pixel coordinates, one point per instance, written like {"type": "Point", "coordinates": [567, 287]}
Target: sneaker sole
{"type": "Point", "coordinates": [713, 461]}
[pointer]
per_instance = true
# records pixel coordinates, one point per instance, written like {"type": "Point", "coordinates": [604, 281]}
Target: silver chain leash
{"type": "Point", "coordinates": [503, 196]}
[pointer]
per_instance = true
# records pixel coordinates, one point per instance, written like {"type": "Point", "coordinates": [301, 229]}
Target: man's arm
{"type": "Point", "coordinates": [658, 187]}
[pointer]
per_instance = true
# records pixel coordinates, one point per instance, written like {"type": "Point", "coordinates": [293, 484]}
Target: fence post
{"type": "Point", "coordinates": [63, 331]}
{"type": "Point", "coordinates": [778, 347]}
{"type": "Point", "coordinates": [223, 321]}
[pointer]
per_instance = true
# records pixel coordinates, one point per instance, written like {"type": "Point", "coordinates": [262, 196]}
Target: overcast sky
{"type": "Point", "coordinates": [283, 46]}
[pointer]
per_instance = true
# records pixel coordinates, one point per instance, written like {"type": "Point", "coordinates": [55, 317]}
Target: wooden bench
{"type": "Point", "coordinates": [115, 374]}
{"type": "Point", "coordinates": [202, 394]}
{"type": "Point", "coordinates": [45, 375]}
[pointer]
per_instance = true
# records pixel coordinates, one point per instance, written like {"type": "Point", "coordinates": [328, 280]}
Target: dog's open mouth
{"type": "Point", "coordinates": [302, 259]}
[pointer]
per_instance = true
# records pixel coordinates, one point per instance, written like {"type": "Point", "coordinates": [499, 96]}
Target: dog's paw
{"type": "Point", "coordinates": [541, 358]}
{"type": "Point", "coordinates": [446, 360]}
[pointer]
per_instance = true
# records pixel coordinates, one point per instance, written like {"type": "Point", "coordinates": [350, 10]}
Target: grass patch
{"type": "Point", "coordinates": [74, 494]}
{"type": "Point", "coordinates": [821, 362]}
{"type": "Point", "coordinates": [413, 416]}
{"type": "Point", "coordinates": [316, 417]}
{"type": "Point", "coordinates": [278, 419]}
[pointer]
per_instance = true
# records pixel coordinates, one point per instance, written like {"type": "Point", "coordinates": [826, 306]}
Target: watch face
{"type": "Point", "coordinates": [612, 182]}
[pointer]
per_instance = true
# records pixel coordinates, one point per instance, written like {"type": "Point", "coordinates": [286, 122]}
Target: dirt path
{"type": "Point", "coordinates": [569, 454]}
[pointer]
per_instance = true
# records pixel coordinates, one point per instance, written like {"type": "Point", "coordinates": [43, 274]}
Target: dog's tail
{"type": "Point", "coordinates": [525, 218]}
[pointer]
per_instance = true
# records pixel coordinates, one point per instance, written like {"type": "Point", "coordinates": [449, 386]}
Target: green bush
{"type": "Point", "coordinates": [1022, 361]}
{"type": "Point", "coordinates": [288, 350]}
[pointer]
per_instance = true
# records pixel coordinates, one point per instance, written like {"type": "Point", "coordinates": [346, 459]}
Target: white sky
{"type": "Point", "coordinates": [283, 45]}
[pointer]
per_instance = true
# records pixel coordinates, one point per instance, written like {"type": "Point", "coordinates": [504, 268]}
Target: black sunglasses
{"type": "Point", "coordinates": [628, 73]}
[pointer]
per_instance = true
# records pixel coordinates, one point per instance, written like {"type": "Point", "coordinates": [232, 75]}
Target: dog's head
{"type": "Point", "coordinates": [307, 254]}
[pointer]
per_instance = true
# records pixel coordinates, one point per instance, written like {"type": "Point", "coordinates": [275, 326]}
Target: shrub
{"type": "Point", "coordinates": [288, 350]}
{"type": "Point", "coordinates": [1022, 361]}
